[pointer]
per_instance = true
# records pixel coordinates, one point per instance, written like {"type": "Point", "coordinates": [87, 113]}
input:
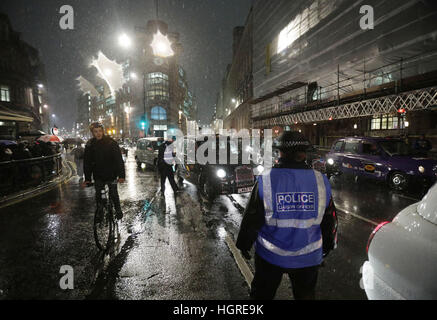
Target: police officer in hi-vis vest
{"type": "Point", "coordinates": [165, 165]}
{"type": "Point", "coordinates": [292, 221]}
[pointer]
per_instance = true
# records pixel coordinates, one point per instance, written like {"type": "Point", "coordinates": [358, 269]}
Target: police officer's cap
{"type": "Point", "coordinates": [292, 141]}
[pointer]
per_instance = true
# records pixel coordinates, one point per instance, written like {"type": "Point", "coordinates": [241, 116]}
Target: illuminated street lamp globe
{"type": "Point", "coordinates": [161, 46]}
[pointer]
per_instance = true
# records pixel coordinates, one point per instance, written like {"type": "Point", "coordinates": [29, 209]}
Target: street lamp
{"type": "Point", "coordinates": [124, 41]}
{"type": "Point", "coordinates": [180, 119]}
{"type": "Point", "coordinates": [54, 119]}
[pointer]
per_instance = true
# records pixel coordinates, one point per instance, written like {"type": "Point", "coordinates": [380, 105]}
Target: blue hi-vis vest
{"type": "Point", "coordinates": [295, 201]}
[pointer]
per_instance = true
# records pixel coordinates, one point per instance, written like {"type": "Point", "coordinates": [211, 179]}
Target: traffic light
{"type": "Point", "coordinates": [143, 122]}
{"type": "Point", "coordinates": [402, 111]}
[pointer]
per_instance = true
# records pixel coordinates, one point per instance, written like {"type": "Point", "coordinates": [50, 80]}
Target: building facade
{"type": "Point", "coordinates": [316, 70]}
{"type": "Point", "coordinates": [23, 88]}
{"type": "Point", "coordinates": [155, 98]}
{"type": "Point", "coordinates": [233, 101]}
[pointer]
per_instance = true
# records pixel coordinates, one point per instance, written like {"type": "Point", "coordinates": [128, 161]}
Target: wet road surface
{"type": "Point", "coordinates": [170, 247]}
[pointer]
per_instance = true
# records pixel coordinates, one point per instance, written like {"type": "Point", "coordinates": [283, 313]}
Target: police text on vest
{"type": "Point", "coordinates": [295, 201]}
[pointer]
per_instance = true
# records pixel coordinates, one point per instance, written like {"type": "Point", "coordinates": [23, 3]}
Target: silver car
{"type": "Point", "coordinates": [403, 254]}
{"type": "Point", "coordinates": [146, 153]}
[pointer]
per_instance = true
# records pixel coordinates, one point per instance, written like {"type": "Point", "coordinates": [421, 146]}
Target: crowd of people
{"type": "Point", "coordinates": [27, 150]}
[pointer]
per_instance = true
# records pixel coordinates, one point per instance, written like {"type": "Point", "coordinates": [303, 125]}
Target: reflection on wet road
{"type": "Point", "coordinates": [171, 247]}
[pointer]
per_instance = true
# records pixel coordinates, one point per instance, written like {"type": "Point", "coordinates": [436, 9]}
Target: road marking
{"type": "Point", "coordinates": [241, 263]}
{"type": "Point", "coordinates": [235, 203]}
{"type": "Point", "coordinates": [356, 215]}
{"type": "Point", "coordinates": [407, 197]}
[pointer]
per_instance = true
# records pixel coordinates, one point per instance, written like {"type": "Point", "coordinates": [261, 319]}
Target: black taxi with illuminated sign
{"type": "Point", "coordinates": [214, 179]}
{"type": "Point", "coordinates": [386, 159]}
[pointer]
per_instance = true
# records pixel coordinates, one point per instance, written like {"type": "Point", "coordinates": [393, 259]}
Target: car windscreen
{"type": "Point", "coordinates": [156, 144]}
{"type": "Point", "coordinates": [396, 148]}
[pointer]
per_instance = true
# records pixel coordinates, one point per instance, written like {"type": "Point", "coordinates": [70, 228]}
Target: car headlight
{"type": "Point", "coordinates": [221, 173]}
{"type": "Point", "coordinates": [421, 169]}
{"type": "Point", "coordinates": [259, 169]}
{"type": "Point", "coordinates": [330, 161]}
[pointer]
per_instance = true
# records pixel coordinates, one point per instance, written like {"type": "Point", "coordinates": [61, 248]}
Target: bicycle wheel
{"type": "Point", "coordinates": [103, 229]}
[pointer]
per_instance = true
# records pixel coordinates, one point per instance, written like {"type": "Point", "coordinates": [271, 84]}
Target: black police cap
{"type": "Point", "coordinates": [292, 141]}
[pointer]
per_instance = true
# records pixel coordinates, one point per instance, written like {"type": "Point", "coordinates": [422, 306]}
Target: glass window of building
{"type": "Point", "coordinates": [158, 113]}
{"type": "Point", "coordinates": [5, 94]}
{"type": "Point", "coordinates": [386, 122]}
{"type": "Point", "coordinates": [307, 19]}
{"type": "Point", "coordinates": [157, 94]}
{"type": "Point", "coordinates": [110, 100]}
{"type": "Point", "coordinates": [157, 75]}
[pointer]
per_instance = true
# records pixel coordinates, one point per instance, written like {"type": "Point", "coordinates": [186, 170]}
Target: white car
{"type": "Point", "coordinates": [146, 153]}
{"type": "Point", "coordinates": [403, 254]}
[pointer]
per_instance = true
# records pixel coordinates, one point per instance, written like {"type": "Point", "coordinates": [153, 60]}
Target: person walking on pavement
{"type": "Point", "coordinates": [103, 162]}
{"type": "Point", "coordinates": [78, 154]}
{"type": "Point", "coordinates": [165, 165]}
{"type": "Point", "coordinates": [292, 221]}
{"type": "Point", "coordinates": [423, 146]}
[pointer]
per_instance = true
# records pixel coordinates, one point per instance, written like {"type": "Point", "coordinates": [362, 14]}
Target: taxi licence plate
{"type": "Point", "coordinates": [244, 190]}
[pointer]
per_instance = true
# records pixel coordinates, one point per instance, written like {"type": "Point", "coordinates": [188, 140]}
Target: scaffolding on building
{"type": "Point", "coordinates": [422, 99]}
{"type": "Point", "coordinates": [366, 93]}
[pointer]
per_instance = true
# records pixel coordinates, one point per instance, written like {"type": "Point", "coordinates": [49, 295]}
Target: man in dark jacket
{"type": "Point", "coordinates": [165, 168]}
{"type": "Point", "coordinates": [103, 162]}
{"type": "Point", "coordinates": [422, 146]}
{"type": "Point", "coordinates": [291, 218]}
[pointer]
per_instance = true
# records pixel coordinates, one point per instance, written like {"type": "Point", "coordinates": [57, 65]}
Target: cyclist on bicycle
{"type": "Point", "coordinates": [103, 161]}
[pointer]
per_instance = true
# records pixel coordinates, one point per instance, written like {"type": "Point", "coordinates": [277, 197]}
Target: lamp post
{"type": "Point", "coordinates": [180, 120]}
{"type": "Point", "coordinates": [54, 120]}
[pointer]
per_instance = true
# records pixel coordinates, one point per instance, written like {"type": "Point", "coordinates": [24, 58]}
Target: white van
{"type": "Point", "coordinates": [147, 151]}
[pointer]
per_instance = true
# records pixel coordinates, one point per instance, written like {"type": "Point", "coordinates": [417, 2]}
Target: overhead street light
{"type": "Point", "coordinates": [124, 41]}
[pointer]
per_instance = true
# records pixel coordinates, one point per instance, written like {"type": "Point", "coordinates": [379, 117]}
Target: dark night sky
{"type": "Point", "coordinates": [205, 27]}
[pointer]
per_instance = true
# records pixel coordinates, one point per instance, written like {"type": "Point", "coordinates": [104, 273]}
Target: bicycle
{"type": "Point", "coordinates": [106, 230]}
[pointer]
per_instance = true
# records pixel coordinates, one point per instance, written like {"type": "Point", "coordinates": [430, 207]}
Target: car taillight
{"type": "Point", "coordinates": [379, 226]}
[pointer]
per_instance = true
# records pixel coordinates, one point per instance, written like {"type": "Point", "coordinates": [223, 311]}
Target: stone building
{"type": "Point", "coordinates": [23, 88]}
{"type": "Point", "coordinates": [233, 102]}
{"type": "Point", "coordinates": [155, 96]}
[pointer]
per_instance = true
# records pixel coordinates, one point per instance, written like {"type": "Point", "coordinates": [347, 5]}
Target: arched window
{"type": "Point", "coordinates": [158, 113]}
